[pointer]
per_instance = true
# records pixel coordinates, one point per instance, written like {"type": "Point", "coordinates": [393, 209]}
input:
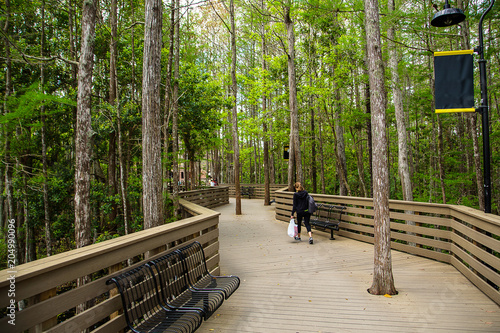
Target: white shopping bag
{"type": "Point", "coordinates": [292, 228]}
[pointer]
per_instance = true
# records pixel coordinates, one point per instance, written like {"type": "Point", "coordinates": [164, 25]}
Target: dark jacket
{"type": "Point", "coordinates": [300, 204]}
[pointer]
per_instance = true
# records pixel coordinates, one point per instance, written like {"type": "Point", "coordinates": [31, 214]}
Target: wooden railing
{"type": "Point", "coordinates": [464, 237]}
{"type": "Point", "coordinates": [49, 289]}
{"type": "Point", "coordinates": [258, 190]}
{"type": "Point", "coordinates": [209, 197]}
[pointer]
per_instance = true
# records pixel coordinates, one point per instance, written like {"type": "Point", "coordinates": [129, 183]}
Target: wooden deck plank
{"type": "Point", "coordinates": [289, 286]}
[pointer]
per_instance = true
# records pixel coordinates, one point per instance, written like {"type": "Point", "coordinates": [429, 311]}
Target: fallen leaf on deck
{"type": "Point", "coordinates": [388, 296]}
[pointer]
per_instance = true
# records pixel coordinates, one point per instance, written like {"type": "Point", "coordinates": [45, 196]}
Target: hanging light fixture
{"type": "Point", "coordinates": [448, 16]}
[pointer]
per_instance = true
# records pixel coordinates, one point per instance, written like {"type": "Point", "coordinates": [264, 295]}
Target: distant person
{"type": "Point", "coordinates": [300, 206]}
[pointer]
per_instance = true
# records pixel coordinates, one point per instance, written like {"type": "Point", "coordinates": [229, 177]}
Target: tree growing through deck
{"type": "Point", "coordinates": [383, 281]}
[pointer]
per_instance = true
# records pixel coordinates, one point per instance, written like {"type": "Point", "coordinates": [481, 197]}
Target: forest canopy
{"type": "Point", "coordinates": [39, 58]}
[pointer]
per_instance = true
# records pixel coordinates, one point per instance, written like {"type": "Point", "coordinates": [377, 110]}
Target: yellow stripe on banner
{"type": "Point", "coordinates": [455, 110]}
{"type": "Point", "coordinates": [447, 53]}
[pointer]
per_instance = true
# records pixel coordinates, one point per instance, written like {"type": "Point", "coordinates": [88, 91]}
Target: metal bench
{"type": "Point", "coordinates": [176, 291]}
{"type": "Point", "coordinates": [328, 217]}
{"type": "Point", "coordinates": [200, 278]}
{"type": "Point", "coordinates": [143, 309]}
{"type": "Point", "coordinates": [247, 190]}
{"type": "Point", "coordinates": [172, 293]}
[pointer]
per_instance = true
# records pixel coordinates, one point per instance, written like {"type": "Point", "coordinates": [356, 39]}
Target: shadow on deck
{"type": "Point", "coordinates": [296, 287]}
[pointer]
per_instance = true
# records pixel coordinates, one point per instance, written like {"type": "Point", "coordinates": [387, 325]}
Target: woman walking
{"type": "Point", "coordinates": [300, 206]}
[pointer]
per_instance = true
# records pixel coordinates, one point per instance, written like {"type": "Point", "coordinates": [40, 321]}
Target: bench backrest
{"type": "Point", "coordinates": [139, 295]}
{"type": "Point", "coordinates": [173, 278]}
{"type": "Point", "coordinates": [327, 212]}
{"type": "Point", "coordinates": [194, 259]}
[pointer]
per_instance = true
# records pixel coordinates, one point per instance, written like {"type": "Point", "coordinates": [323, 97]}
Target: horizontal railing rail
{"type": "Point", "coordinates": [49, 290]}
{"type": "Point", "coordinates": [464, 237]}
{"type": "Point", "coordinates": [209, 197]}
{"type": "Point", "coordinates": [258, 190]}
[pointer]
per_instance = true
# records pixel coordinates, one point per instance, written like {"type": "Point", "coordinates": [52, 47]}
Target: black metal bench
{"type": "Point", "coordinates": [328, 217]}
{"type": "Point", "coordinates": [176, 291]}
{"type": "Point", "coordinates": [143, 309]}
{"type": "Point", "coordinates": [172, 293]}
{"type": "Point", "coordinates": [247, 190]}
{"type": "Point", "coordinates": [200, 278]}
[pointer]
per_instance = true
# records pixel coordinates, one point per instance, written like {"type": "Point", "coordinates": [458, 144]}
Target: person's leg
{"type": "Point", "coordinates": [307, 218]}
{"type": "Point", "coordinates": [299, 223]}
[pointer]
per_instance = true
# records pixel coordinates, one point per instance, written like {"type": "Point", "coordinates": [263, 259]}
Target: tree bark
{"type": "Point", "coordinates": [167, 112]}
{"type": "Point", "coordinates": [383, 281]}
{"type": "Point", "coordinates": [321, 161]}
{"type": "Point", "coordinates": [151, 117]}
{"type": "Point", "coordinates": [83, 141]}
{"type": "Point", "coordinates": [295, 155]}
{"type": "Point", "coordinates": [404, 171]}
{"type": "Point", "coordinates": [234, 90]}
{"type": "Point", "coordinates": [267, 194]}
{"type": "Point", "coordinates": [344, 188]}
{"type": "Point", "coordinates": [84, 127]}
{"type": "Point", "coordinates": [123, 171]}
{"type": "Point", "coordinates": [175, 111]}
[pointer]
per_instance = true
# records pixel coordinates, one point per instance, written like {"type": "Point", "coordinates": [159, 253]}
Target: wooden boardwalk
{"type": "Point", "coordinates": [288, 286]}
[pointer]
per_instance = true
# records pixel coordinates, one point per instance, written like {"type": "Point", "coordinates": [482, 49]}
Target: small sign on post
{"type": "Point", "coordinates": [286, 153]}
{"type": "Point", "coordinates": [454, 82]}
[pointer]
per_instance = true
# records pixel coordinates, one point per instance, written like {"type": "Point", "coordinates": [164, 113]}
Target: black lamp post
{"type": "Point", "coordinates": [451, 16]}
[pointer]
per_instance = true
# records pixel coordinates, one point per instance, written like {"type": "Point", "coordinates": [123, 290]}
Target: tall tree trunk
{"type": "Point", "coordinates": [321, 161]}
{"type": "Point", "coordinates": [359, 161]}
{"type": "Point", "coordinates": [132, 51]}
{"type": "Point", "coordinates": [167, 113]}
{"type": "Point", "coordinates": [83, 147]}
{"type": "Point", "coordinates": [344, 188]}
{"type": "Point", "coordinates": [236, 145]}
{"type": "Point", "coordinates": [314, 171]}
{"type": "Point", "coordinates": [30, 252]}
{"type": "Point", "coordinates": [404, 171]}
{"type": "Point", "coordinates": [397, 96]}
{"type": "Point", "coordinates": [112, 101]}
{"type": "Point", "coordinates": [267, 194]}
{"type": "Point", "coordinates": [313, 152]}
{"type": "Point", "coordinates": [175, 111]}
{"type": "Point", "coordinates": [123, 170]}
{"type": "Point", "coordinates": [295, 154]}
{"type": "Point", "coordinates": [72, 43]}
{"type": "Point", "coordinates": [152, 195]}
{"type": "Point", "coordinates": [383, 281]}
{"type": "Point", "coordinates": [369, 126]}
{"type": "Point", "coordinates": [46, 217]}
